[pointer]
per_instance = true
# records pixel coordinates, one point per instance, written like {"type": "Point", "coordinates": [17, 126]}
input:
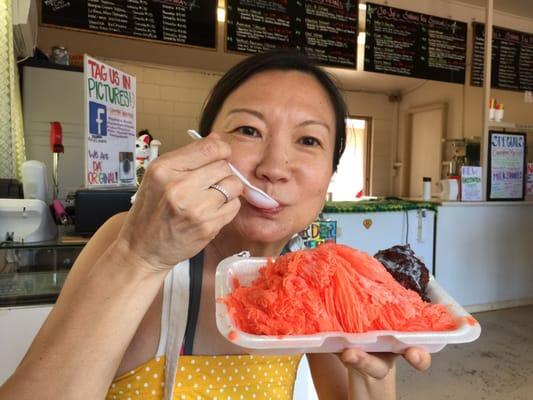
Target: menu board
{"type": "Point", "coordinates": [324, 30]}
{"type": "Point", "coordinates": [512, 58]}
{"type": "Point", "coordinates": [507, 166]}
{"type": "Point", "coordinates": [403, 42]}
{"type": "Point", "coordinates": [189, 22]}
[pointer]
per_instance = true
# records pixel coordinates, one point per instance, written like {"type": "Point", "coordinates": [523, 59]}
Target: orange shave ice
{"type": "Point", "coordinates": [330, 288]}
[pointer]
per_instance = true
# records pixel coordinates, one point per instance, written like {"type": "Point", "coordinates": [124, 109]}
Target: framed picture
{"type": "Point", "coordinates": [506, 166]}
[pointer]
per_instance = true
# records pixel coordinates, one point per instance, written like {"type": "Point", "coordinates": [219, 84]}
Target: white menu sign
{"type": "Point", "coordinates": [110, 125]}
{"type": "Point", "coordinates": [506, 166]}
{"type": "Point", "coordinates": [471, 188]}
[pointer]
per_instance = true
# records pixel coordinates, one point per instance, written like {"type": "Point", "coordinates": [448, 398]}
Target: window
{"type": "Point", "coordinates": [351, 181]}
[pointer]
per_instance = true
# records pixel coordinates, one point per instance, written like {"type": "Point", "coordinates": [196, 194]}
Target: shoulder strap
{"type": "Point", "coordinates": [195, 294]}
{"type": "Point", "coordinates": [178, 310]}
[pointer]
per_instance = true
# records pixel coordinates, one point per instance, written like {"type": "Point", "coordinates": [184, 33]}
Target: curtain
{"type": "Point", "coordinates": [12, 150]}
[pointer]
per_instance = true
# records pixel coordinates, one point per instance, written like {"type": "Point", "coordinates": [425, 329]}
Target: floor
{"type": "Point", "coordinates": [498, 366]}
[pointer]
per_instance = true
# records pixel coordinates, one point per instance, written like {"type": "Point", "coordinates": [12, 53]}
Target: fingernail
{"type": "Point", "coordinates": [416, 358]}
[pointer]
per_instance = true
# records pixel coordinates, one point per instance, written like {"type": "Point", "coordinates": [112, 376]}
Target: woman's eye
{"type": "Point", "coordinates": [247, 131]}
{"type": "Point", "coordinates": [309, 141]}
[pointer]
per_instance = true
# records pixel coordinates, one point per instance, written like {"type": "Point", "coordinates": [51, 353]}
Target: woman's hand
{"type": "Point", "coordinates": [378, 365]}
{"type": "Point", "coordinates": [372, 375]}
{"type": "Point", "coordinates": [176, 213]}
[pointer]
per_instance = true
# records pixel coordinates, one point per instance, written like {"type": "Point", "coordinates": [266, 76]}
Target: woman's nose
{"type": "Point", "coordinates": [274, 165]}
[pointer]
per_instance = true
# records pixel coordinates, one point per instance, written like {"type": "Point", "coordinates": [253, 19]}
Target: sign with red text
{"type": "Point", "coordinates": [110, 125]}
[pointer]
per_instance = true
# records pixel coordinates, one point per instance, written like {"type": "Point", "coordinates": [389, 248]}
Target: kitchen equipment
{"type": "Point", "coordinates": [253, 194]}
{"type": "Point", "coordinates": [95, 206]}
{"type": "Point", "coordinates": [245, 269]}
{"type": "Point", "coordinates": [26, 220]}
{"type": "Point", "coordinates": [449, 189]}
{"type": "Point", "coordinates": [34, 180]}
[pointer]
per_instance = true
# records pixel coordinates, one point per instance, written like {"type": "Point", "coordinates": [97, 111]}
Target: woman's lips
{"type": "Point", "coordinates": [269, 211]}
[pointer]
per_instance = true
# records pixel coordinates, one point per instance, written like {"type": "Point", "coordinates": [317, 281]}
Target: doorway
{"type": "Point", "coordinates": [427, 127]}
{"type": "Point", "coordinates": [352, 179]}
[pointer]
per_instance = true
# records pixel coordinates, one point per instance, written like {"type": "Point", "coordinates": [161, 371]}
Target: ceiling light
{"type": "Point", "coordinates": [221, 14]}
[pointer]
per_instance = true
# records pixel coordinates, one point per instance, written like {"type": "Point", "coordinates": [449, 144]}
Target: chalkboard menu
{"type": "Point", "coordinates": [506, 166]}
{"type": "Point", "coordinates": [324, 30]}
{"type": "Point", "coordinates": [512, 58]}
{"type": "Point", "coordinates": [402, 42]}
{"type": "Point", "coordinates": [189, 22]}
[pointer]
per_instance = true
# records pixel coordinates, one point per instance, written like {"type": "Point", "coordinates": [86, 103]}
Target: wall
{"type": "Point", "coordinates": [464, 101]}
{"type": "Point", "coordinates": [169, 99]}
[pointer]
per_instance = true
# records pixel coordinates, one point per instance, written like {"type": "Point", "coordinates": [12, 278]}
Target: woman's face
{"type": "Point", "coordinates": [281, 127]}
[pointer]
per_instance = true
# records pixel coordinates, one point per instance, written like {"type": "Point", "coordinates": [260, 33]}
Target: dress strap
{"type": "Point", "coordinates": [178, 310]}
{"type": "Point", "coordinates": [195, 294]}
{"type": "Point", "coordinates": [165, 315]}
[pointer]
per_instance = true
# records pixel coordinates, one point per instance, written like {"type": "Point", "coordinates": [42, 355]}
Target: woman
{"type": "Point", "coordinates": [121, 315]}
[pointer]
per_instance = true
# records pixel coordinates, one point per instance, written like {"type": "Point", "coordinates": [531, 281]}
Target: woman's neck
{"type": "Point", "coordinates": [223, 247]}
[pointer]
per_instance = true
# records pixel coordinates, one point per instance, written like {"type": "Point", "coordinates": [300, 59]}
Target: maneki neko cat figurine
{"type": "Point", "coordinates": [146, 151]}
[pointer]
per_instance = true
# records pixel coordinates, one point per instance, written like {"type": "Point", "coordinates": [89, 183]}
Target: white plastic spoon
{"type": "Point", "coordinates": [254, 195]}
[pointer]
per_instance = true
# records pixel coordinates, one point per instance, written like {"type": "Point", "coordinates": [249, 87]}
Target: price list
{"type": "Point", "coordinates": [324, 30]}
{"type": "Point", "coordinates": [512, 58]}
{"type": "Point", "coordinates": [403, 42]}
{"type": "Point", "coordinates": [191, 22]}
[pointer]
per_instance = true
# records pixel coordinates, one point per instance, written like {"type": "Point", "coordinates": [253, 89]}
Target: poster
{"type": "Point", "coordinates": [471, 187]}
{"type": "Point", "coordinates": [318, 232]}
{"type": "Point", "coordinates": [506, 166]}
{"type": "Point", "coordinates": [110, 125]}
{"type": "Point", "coordinates": [529, 191]}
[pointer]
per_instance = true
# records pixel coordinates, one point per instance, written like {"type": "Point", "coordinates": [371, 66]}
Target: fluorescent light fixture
{"type": "Point", "coordinates": [221, 14]}
{"type": "Point", "coordinates": [362, 6]}
{"type": "Point", "coordinates": [361, 37]}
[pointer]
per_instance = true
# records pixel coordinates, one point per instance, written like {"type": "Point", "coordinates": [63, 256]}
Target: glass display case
{"type": "Point", "coordinates": [33, 273]}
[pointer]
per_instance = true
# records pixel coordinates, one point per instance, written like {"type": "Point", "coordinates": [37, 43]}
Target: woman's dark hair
{"type": "Point", "coordinates": [284, 60]}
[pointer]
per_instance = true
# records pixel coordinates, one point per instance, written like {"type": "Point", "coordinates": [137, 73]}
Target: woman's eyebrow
{"type": "Point", "coordinates": [246, 110]}
{"type": "Point", "coordinates": [314, 122]}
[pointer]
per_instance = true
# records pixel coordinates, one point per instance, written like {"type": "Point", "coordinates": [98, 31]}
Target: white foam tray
{"type": "Point", "coordinates": [246, 268]}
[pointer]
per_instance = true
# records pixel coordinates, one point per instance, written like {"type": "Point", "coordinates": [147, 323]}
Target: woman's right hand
{"type": "Point", "coordinates": [176, 214]}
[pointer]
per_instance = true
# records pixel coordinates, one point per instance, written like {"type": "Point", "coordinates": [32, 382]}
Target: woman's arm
{"type": "Point", "coordinates": [356, 375]}
{"type": "Point", "coordinates": [115, 278]}
{"type": "Point", "coordinates": [77, 351]}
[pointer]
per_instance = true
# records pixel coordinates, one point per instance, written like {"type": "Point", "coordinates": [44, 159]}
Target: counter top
{"type": "Point", "coordinates": [384, 204]}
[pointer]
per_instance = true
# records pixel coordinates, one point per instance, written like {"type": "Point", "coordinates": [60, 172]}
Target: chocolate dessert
{"type": "Point", "coordinates": [406, 268]}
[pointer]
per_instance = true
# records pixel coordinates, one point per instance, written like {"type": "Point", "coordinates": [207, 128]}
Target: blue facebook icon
{"type": "Point", "coordinates": [97, 119]}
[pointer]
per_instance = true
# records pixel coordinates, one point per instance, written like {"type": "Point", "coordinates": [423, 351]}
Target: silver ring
{"type": "Point", "coordinates": [220, 189]}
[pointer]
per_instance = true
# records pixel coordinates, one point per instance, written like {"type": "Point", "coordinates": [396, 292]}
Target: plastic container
{"type": "Point", "coordinates": [426, 188]}
{"type": "Point", "coordinates": [246, 268]}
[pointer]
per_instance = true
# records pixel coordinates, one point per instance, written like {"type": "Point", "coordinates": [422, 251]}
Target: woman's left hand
{"type": "Point", "coordinates": [378, 365]}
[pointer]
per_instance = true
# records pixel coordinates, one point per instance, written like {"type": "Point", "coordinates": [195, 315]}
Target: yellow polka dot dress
{"type": "Point", "coordinates": [211, 377]}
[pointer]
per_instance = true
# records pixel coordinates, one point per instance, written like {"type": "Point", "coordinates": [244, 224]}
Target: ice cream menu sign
{"type": "Point", "coordinates": [189, 22]}
{"type": "Point", "coordinates": [507, 166]}
{"type": "Point", "coordinates": [512, 58]}
{"type": "Point", "coordinates": [326, 30]}
{"type": "Point", "coordinates": [110, 125]}
{"type": "Point", "coordinates": [403, 42]}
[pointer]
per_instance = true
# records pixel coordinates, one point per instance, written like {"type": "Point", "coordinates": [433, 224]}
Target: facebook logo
{"type": "Point", "coordinates": [97, 119]}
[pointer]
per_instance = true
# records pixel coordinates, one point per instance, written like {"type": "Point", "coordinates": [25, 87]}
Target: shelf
{"type": "Point", "coordinates": [510, 125]}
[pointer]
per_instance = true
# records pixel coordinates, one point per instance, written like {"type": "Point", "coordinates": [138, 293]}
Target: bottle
{"type": "Point", "coordinates": [426, 188]}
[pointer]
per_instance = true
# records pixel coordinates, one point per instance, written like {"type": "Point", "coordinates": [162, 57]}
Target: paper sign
{"type": "Point", "coordinates": [529, 191]}
{"type": "Point", "coordinates": [507, 166]}
{"type": "Point", "coordinates": [319, 232]}
{"type": "Point", "coordinates": [110, 125]}
{"type": "Point", "coordinates": [471, 187]}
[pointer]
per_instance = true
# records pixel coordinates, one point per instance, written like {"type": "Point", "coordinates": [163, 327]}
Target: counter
{"type": "Point", "coordinates": [484, 253]}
